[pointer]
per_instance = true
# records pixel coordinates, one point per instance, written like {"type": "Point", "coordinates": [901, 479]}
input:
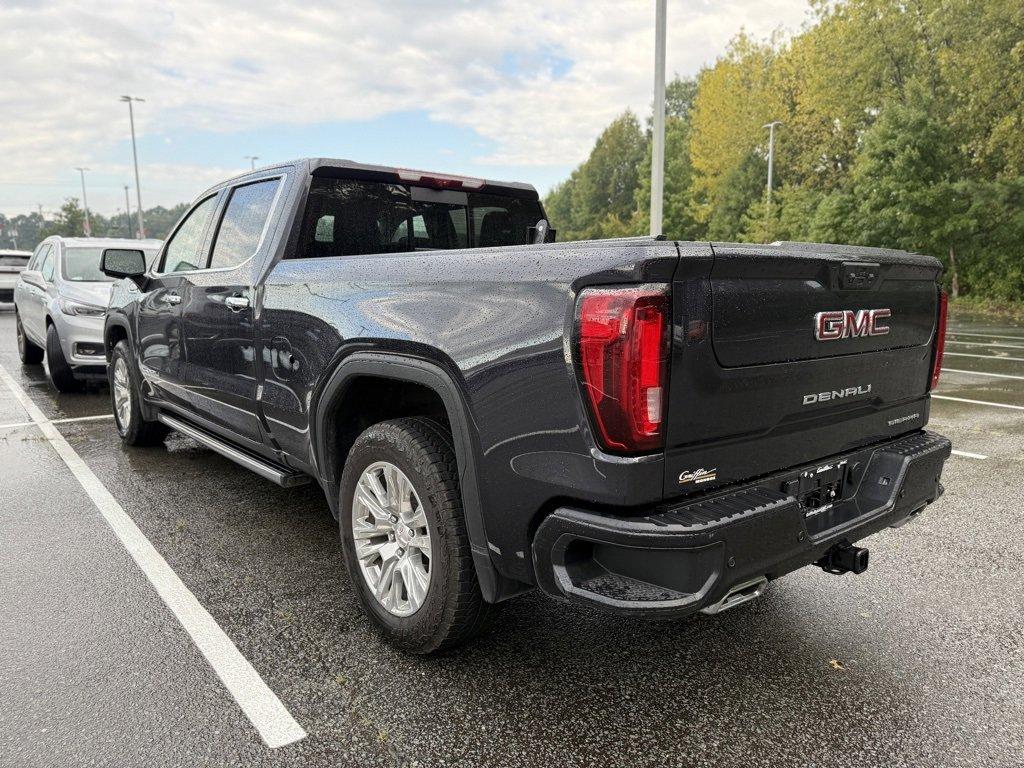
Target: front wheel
{"type": "Point", "coordinates": [404, 536]}
{"type": "Point", "coordinates": [124, 397]}
{"type": "Point", "coordinates": [61, 375]}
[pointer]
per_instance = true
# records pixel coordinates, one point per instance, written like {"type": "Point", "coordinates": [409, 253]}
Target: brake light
{"type": "Point", "coordinates": [623, 353]}
{"type": "Point", "coordinates": [438, 180]}
{"type": "Point", "coordinates": [940, 339]}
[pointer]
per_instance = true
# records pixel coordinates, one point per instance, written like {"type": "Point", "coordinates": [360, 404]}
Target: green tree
{"type": "Point", "coordinates": [69, 221]}
{"type": "Point", "coordinates": [607, 181]}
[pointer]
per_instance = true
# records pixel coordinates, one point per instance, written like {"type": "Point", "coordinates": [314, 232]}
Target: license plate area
{"type": "Point", "coordinates": [817, 489]}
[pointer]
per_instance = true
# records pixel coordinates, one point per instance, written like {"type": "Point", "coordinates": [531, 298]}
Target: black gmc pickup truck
{"type": "Point", "coordinates": [647, 427]}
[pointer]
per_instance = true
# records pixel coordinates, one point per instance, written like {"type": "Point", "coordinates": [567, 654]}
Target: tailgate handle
{"type": "Point", "coordinates": [858, 275]}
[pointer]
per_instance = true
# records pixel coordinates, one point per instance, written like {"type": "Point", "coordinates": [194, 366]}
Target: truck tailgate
{"type": "Point", "coordinates": [791, 353]}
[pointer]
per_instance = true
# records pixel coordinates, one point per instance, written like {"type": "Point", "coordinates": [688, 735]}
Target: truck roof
{"type": "Point", "coordinates": [342, 168]}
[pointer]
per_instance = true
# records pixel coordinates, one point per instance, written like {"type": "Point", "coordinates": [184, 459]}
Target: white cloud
{"type": "Point", "coordinates": [495, 66]}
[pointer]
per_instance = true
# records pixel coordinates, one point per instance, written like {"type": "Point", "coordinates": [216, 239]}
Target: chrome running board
{"type": "Point", "coordinates": [283, 476]}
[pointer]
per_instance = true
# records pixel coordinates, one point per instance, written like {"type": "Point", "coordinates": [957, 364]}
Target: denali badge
{"type": "Point", "coordinates": [698, 476]}
{"type": "Point", "coordinates": [847, 323]}
{"type": "Point", "coordinates": [836, 394]}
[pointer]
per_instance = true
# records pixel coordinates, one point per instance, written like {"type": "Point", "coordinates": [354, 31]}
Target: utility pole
{"type": "Point", "coordinates": [127, 211]}
{"type": "Point", "coordinates": [252, 159]}
{"type": "Point", "coordinates": [658, 139]}
{"type": "Point", "coordinates": [135, 158]}
{"type": "Point", "coordinates": [87, 227]}
{"type": "Point", "coordinates": [771, 164]}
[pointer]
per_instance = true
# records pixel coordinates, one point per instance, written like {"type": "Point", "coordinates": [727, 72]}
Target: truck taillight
{"type": "Point", "coordinates": [623, 354]}
{"type": "Point", "coordinates": [940, 339]}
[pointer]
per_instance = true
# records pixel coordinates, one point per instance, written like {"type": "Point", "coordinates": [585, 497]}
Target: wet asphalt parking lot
{"type": "Point", "coordinates": [918, 662]}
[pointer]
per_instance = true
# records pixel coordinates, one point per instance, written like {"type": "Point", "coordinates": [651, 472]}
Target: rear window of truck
{"type": "Point", "coordinates": [346, 217]}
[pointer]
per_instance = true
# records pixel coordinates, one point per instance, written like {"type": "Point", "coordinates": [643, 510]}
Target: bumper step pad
{"type": "Point", "coordinates": [681, 557]}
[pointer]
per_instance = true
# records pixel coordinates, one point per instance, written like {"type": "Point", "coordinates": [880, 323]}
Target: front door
{"type": "Point", "coordinates": [217, 317]}
{"type": "Point", "coordinates": [159, 335]}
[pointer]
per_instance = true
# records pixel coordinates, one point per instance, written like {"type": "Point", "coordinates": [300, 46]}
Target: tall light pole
{"type": "Point", "coordinates": [87, 228]}
{"type": "Point", "coordinates": [771, 155]}
{"type": "Point", "coordinates": [658, 139]}
{"type": "Point", "coordinates": [127, 211]}
{"type": "Point", "coordinates": [135, 158]}
{"type": "Point", "coordinates": [252, 159]}
{"type": "Point", "coordinates": [771, 170]}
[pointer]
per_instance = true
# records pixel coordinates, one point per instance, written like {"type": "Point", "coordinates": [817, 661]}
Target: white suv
{"type": "Point", "coordinates": [60, 301]}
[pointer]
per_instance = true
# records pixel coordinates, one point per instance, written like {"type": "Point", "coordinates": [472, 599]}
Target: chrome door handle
{"type": "Point", "coordinates": [172, 298]}
{"type": "Point", "coordinates": [237, 302]}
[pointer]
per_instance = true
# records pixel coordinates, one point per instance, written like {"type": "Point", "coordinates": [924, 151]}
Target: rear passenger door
{"type": "Point", "coordinates": [31, 296]}
{"type": "Point", "coordinates": [218, 315]}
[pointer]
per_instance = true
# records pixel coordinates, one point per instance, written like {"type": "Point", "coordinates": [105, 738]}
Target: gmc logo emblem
{"type": "Point", "coordinates": [847, 323]}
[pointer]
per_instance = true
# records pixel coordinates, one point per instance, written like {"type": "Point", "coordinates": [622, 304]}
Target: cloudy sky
{"type": "Point", "coordinates": [508, 89]}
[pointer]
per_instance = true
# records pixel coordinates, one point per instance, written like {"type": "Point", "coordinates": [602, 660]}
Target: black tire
{"type": "Point", "coordinates": [29, 353]}
{"type": "Point", "coordinates": [61, 375]}
{"type": "Point", "coordinates": [453, 610]}
{"type": "Point", "coordinates": [137, 431]}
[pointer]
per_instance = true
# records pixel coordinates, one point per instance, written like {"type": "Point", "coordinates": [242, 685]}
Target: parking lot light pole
{"type": "Point", "coordinates": [127, 211]}
{"type": "Point", "coordinates": [87, 225]}
{"type": "Point", "coordinates": [658, 139]}
{"type": "Point", "coordinates": [252, 160]}
{"type": "Point", "coordinates": [135, 158]}
{"type": "Point", "coordinates": [771, 155]}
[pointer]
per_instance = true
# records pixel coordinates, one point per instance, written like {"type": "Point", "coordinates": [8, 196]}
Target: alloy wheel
{"type": "Point", "coordinates": [392, 538]}
{"type": "Point", "coordinates": [122, 394]}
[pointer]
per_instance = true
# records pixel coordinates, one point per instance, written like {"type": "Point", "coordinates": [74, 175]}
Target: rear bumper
{"type": "Point", "coordinates": [678, 559]}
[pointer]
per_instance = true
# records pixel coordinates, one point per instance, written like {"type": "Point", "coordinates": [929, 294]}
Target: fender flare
{"type": "Point", "coordinates": [115, 321]}
{"type": "Point", "coordinates": [493, 585]}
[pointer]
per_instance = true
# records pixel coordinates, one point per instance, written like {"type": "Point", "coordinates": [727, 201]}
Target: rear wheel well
{"type": "Point", "coordinates": [369, 400]}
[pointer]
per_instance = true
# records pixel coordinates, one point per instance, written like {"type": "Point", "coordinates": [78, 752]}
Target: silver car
{"type": "Point", "coordinates": [60, 301]}
{"type": "Point", "coordinates": [11, 265]}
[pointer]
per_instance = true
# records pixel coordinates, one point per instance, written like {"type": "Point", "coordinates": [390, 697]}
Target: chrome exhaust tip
{"type": "Point", "coordinates": [739, 594]}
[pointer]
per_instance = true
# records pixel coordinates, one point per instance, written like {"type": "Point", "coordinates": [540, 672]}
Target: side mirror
{"type": "Point", "coordinates": [32, 277]}
{"type": "Point", "coordinates": [123, 262]}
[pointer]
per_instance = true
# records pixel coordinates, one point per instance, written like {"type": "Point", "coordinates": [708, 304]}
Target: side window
{"type": "Point", "coordinates": [183, 248]}
{"type": "Point", "coordinates": [37, 257]}
{"type": "Point", "coordinates": [46, 265]}
{"type": "Point", "coordinates": [37, 260]}
{"type": "Point", "coordinates": [242, 225]}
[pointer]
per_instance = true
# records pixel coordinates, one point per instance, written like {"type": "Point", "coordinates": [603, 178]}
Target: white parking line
{"type": "Point", "coordinates": [985, 335]}
{"type": "Point", "coordinates": [265, 711]}
{"type": "Point", "coordinates": [982, 373]}
{"type": "Point", "coordinates": [59, 421]}
{"type": "Point", "coordinates": [984, 357]}
{"type": "Point", "coordinates": [968, 455]}
{"type": "Point", "coordinates": [978, 402]}
{"type": "Point", "coordinates": [998, 344]}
